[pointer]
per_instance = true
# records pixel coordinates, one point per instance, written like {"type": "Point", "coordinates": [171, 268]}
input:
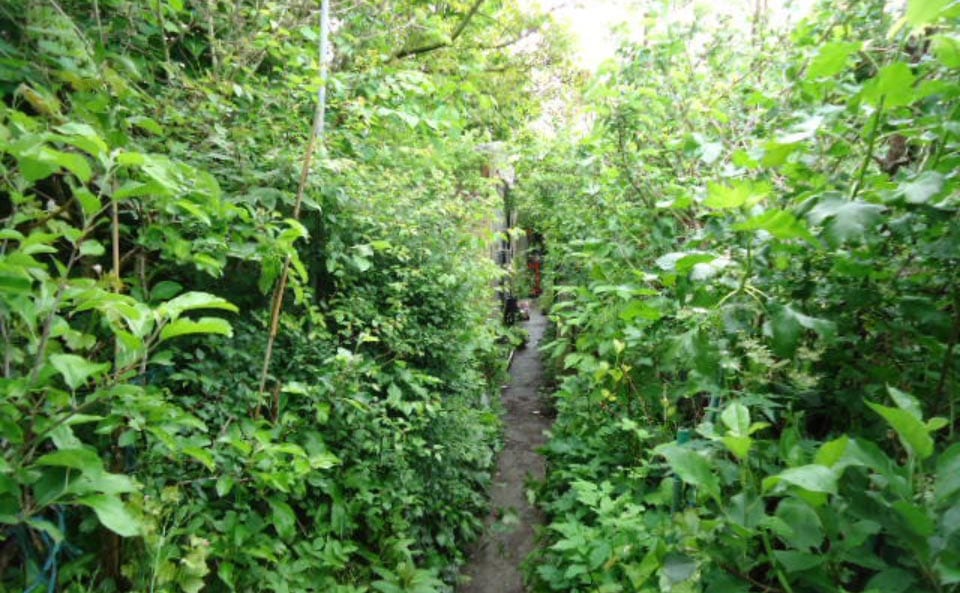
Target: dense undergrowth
{"type": "Point", "coordinates": [753, 258]}
{"type": "Point", "coordinates": [150, 154]}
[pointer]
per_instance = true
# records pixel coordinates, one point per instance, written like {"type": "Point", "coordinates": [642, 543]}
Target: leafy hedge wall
{"type": "Point", "coordinates": [150, 154]}
{"type": "Point", "coordinates": [754, 260]}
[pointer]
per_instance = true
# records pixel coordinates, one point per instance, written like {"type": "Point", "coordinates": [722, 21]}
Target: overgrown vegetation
{"type": "Point", "coordinates": [150, 155]}
{"type": "Point", "coordinates": [752, 264]}
{"type": "Point", "coordinates": [754, 259]}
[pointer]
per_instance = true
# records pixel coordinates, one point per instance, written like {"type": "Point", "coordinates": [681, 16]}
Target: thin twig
{"type": "Point", "coordinates": [315, 133]}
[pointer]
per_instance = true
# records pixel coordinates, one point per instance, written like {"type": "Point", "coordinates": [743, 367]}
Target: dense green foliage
{"type": "Point", "coordinates": [754, 258]}
{"type": "Point", "coordinates": [150, 154]}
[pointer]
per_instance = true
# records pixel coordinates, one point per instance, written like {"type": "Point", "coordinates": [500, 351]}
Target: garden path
{"type": "Point", "coordinates": [509, 534]}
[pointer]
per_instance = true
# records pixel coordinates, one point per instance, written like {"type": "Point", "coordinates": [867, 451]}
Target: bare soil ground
{"type": "Point", "coordinates": [495, 564]}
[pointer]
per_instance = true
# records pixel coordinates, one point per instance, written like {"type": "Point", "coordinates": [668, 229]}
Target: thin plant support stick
{"type": "Point", "coordinates": [316, 134]}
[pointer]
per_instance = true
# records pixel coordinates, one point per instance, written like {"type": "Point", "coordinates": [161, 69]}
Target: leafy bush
{"type": "Point", "coordinates": [751, 261]}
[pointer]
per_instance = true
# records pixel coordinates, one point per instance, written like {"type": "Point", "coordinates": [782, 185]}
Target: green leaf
{"type": "Point", "coordinates": [738, 445]}
{"type": "Point", "coordinates": [794, 561]}
{"type": "Point", "coordinates": [88, 201]}
{"type": "Point", "coordinates": [891, 580]}
{"type": "Point", "coordinates": [84, 460]}
{"type": "Point", "coordinates": [786, 327]}
{"type": "Point", "coordinates": [83, 137]}
{"type": "Point", "coordinates": [224, 485]}
{"type": "Point", "coordinates": [815, 478]}
{"type": "Point", "coordinates": [76, 370]}
{"type": "Point", "coordinates": [893, 85]}
{"type": "Point", "coordinates": [831, 59]}
{"type": "Point", "coordinates": [204, 325]}
{"type": "Point", "coordinates": [112, 514]}
{"type": "Point", "coordinates": [190, 301]}
{"type": "Point", "coordinates": [779, 223]}
{"type": "Point", "coordinates": [47, 527]}
{"type": "Point", "coordinates": [906, 402]}
{"type": "Point", "coordinates": [678, 567]}
{"type": "Point", "coordinates": [947, 50]}
{"type": "Point", "coordinates": [92, 247]}
{"type": "Point", "coordinates": [691, 467]}
{"type": "Point", "coordinates": [912, 432]}
{"type": "Point", "coordinates": [831, 452]}
{"type": "Point", "coordinates": [947, 478]}
{"type": "Point", "coordinates": [806, 530]}
{"type": "Point", "coordinates": [736, 417]}
{"type": "Point", "coordinates": [284, 519]}
{"type": "Point", "coordinates": [145, 123]}
{"type": "Point", "coordinates": [916, 518]}
{"type": "Point", "coordinates": [39, 162]}
{"type": "Point", "coordinates": [741, 193]}
{"type": "Point", "coordinates": [201, 455]}
{"type": "Point", "coordinates": [844, 220]}
{"type": "Point", "coordinates": [923, 187]}
{"type": "Point", "coordinates": [924, 12]}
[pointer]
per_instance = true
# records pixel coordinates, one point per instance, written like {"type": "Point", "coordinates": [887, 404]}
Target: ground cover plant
{"type": "Point", "coordinates": [753, 260]}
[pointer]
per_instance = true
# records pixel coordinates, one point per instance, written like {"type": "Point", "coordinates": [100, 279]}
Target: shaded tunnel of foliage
{"type": "Point", "coordinates": [753, 258]}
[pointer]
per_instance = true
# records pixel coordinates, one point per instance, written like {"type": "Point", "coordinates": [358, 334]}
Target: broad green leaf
{"type": "Point", "coordinates": [736, 417]}
{"type": "Point", "coordinates": [947, 479]}
{"type": "Point", "coordinates": [224, 485]}
{"type": "Point", "coordinates": [831, 59]}
{"type": "Point", "coordinates": [112, 514]}
{"type": "Point", "coordinates": [947, 50]}
{"type": "Point", "coordinates": [924, 12]}
{"type": "Point", "coordinates": [891, 580]}
{"type": "Point", "coordinates": [84, 460]}
{"type": "Point", "coordinates": [916, 518]}
{"type": "Point", "coordinates": [106, 483]}
{"type": "Point", "coordinates": [912, 432]}
{"type": "Point", "coordinates": [786, 327]}
{"type": "Point", "coordinates": [46, 527]}
{"type": "Point", "coordinates": [284, 519]}
{"type": "Point", "coordinates": [738, 445]}
{"type": "Point", "coordinates": [806, 530]}
{"type": "Point", "coordinates": [92, 247]}
{"type": "Point", "coordinates": [678, 567]}
{"type": "Point", "coordinates": [682, 261]}
{"type": "Point", "coordinates": [844, 220]}
{"type": "Point", "coordinates": [323, 460]}
{"type": "Point", "coordinates": [146, 124]}
{"type": "Point", "coordinates": [906, 402]}
{"type": "Point", "coordinates": [75, 163]}
{"type": "Point", "coordinates": [815, 478]}
{"type": "Point", "coordinates": [779, 223]}
{"type": "Point", "coordinates": [84, 138]}
{"type": "Point", "coordinates": [893, 85]}
{"type": "Point", "coordinates": [923, 187]}
{"type": "Point", "coordinates": [201, 455]}
{"type": "Point", "coordinates": [76, 370]}
{"type": "Point", "coordinates": [43, 161]}
{"type": "Point", "coordinates": [204, 325]}
{"type": "Point", "coordinates": [793, 561]}
{"type": "Point", "coordinates": [190, 301]}
{"type": "Point", "coordinates": [741, 193]}
{"type": "Point", "coordinates": [88, 201]}
{"type": "Point", "coordinates": [831, 452]}
{"type": "Point", "coordinates": [691, 467]}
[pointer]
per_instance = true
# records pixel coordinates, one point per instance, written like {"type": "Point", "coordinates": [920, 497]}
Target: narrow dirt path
{"type": "Point", "coordinates": [509, 537]}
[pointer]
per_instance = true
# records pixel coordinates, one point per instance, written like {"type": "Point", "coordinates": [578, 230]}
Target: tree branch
{"type": "Point", "coordinates": [404, 53]}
